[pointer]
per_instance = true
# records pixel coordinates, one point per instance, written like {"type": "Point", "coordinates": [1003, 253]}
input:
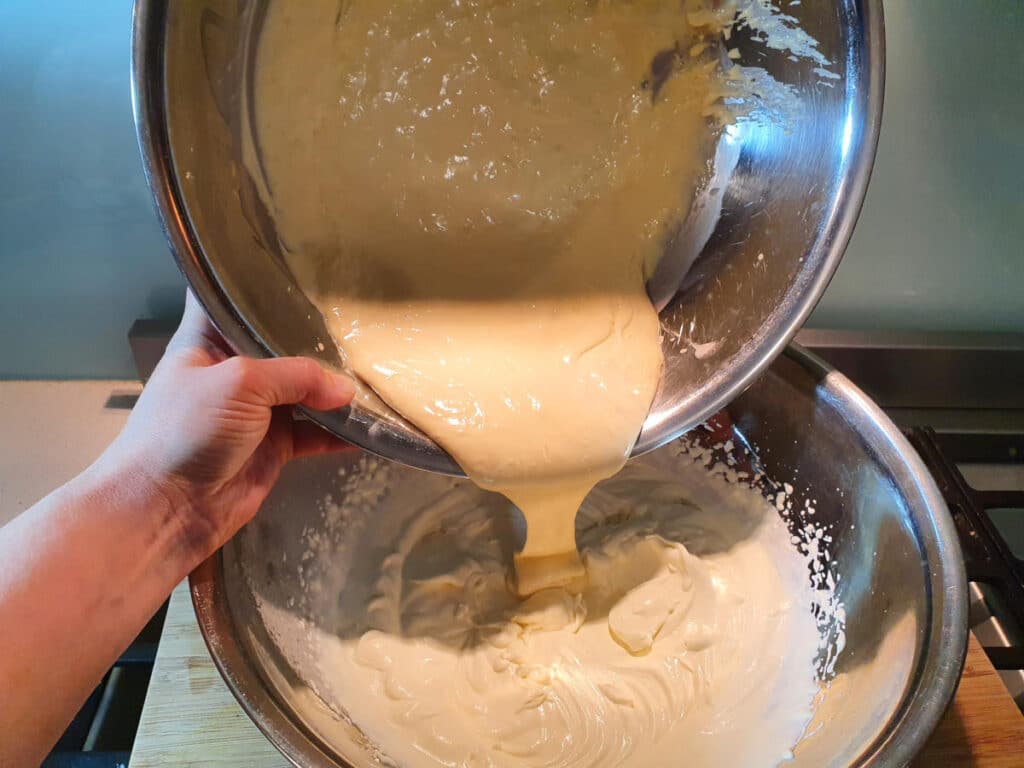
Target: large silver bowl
{"type": "Point", "coordinates": [895, 550]}
{"type": "Point", "coordinates": [790, 204]}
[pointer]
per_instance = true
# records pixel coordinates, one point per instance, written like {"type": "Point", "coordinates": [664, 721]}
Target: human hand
{"type": "Point", "coordinates": [211, 431]}
{"type": "Point", "coordinates": [200, 452]}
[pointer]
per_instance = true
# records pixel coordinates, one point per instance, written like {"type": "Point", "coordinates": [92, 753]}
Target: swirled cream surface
{"type": "Point", "coordinates": [474, 192]}
{"type": "Point", "coordinates": [693, 642]}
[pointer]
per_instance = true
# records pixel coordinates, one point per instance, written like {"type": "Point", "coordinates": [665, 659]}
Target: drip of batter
{"type": "Point", "coordinates": [475, 193]}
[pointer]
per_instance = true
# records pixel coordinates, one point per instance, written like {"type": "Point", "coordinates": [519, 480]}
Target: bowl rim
{"type": "Point", "coordinates": [842, 218]}
{"type": "Point", "coordinates": [409, 446]}
{"type": "Point", "coordinates": [929, 692]}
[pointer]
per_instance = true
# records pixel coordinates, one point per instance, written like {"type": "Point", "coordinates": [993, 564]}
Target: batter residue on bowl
{"type": "Point", "coordinates": [475, 193]}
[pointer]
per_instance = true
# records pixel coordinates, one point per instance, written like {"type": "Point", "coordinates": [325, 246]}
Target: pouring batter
{"type": "Point", "coordinates": [475, 193]}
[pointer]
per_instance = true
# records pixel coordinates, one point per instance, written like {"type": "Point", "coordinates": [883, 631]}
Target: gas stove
{"type": "Point", "coordinates": [990, 522]}
{"type": "Point", "coordinates": [960, 400]}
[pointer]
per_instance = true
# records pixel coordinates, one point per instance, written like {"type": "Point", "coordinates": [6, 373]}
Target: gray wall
{"type": "Point", "coordinates": [938, 245]}
{"type": "Point", "coordinates": [82, 254]}
{"type": "Point", "coordinates": [940, 241]}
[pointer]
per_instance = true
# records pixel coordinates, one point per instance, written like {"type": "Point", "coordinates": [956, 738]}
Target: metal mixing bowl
{"type": "Point", "coordinates": [789, 208]}
{"type": "Point", "coordinates": [894, 548]}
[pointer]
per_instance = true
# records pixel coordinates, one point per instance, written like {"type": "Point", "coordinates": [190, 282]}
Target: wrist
{"type": "Point", "coordinates": [157, 508]}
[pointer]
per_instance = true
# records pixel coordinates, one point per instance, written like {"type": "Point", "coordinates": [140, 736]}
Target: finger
{"type": "Point", "coordinates": [204, 327]}
{"type": "Point", "coordinates": [279, 436]}
{"type": "Point", "coordinates": [291, 381]}
{"type": "Point", "coordinates": [197, 332]}
{"type": "Point", "coordinates": [309, 439]}
{"type": "Point", "coordinates": [194, 323]}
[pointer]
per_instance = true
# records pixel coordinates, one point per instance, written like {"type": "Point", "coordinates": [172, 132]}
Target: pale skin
{"type": "Point", "coordinates": [85, 568]}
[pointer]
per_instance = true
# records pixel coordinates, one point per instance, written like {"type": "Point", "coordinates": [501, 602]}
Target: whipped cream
{"type": "Point", "coordinates": [693, 637]}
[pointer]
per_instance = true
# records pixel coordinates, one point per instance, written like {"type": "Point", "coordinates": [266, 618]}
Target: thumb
{"type": "Point", "coordinates": [196, 334]}
{"type": "Point", "coordinates": [290, 381]}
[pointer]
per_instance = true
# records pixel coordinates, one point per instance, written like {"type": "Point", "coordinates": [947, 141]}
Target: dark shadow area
{"type": "Point", "coordinates": [271, 557]}
{"type": "Point", "coordinates": [102, 733]}
{"type": "Point", "coordinates": [948, 745]}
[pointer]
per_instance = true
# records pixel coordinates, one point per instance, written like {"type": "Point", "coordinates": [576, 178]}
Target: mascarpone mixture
{"type": "Point", "coordinates": [692, 643]}
{"type": "Point", "coordinates": [474, 193]}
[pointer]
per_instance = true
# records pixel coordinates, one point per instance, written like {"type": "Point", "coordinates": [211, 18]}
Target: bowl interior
{"type": "Point", "coordinates": [891, 552]}
{"type": "Point", "coordinates": [788, 206]}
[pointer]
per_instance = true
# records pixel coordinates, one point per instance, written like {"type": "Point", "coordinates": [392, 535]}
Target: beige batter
{"type": "Point", "coordinates": [475, 192]}
{"type": "Point", "coordinates": [691, 645]}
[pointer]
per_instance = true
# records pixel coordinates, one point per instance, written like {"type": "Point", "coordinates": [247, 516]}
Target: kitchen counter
{"type": "Point", "coordinates": [191, 719]}
{"type": "Point", "coordinates": [52, 431]}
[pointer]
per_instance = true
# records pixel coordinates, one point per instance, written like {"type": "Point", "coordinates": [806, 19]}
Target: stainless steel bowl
{"type": "Point", "coordinates": [789, 208]}
{"type": "Point", "coordinates": [901, 577]}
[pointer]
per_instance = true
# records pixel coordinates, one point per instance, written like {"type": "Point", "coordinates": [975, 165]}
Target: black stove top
{"type": "Point", "coordinates": [995, 573]}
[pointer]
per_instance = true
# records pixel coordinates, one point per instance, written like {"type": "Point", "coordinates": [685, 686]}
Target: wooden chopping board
{"type": "Point", "coordinates": [191, 719]}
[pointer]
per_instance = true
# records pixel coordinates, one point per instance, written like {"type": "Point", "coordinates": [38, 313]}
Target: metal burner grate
{"type": "Point", "coordinates": [995, 573]}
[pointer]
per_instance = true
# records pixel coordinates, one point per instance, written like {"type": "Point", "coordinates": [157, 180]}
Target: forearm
{"type": "Point", "coordinates": [83, 571]}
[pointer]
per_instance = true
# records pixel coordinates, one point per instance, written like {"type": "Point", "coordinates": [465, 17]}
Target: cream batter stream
{"type": "Point", "coordinates": [475, 192]}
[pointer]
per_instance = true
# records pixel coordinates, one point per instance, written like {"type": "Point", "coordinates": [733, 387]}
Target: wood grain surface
{"type": "Point", "coordinates": [983, 727]}
{"type": "Point", "coordinates": [191, 719]}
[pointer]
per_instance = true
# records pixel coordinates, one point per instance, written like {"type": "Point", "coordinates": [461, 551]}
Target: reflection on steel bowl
{"type": "Point", "coordinates": [893, 544]}
{"type": "Point", "coordinates": [793, 190]}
